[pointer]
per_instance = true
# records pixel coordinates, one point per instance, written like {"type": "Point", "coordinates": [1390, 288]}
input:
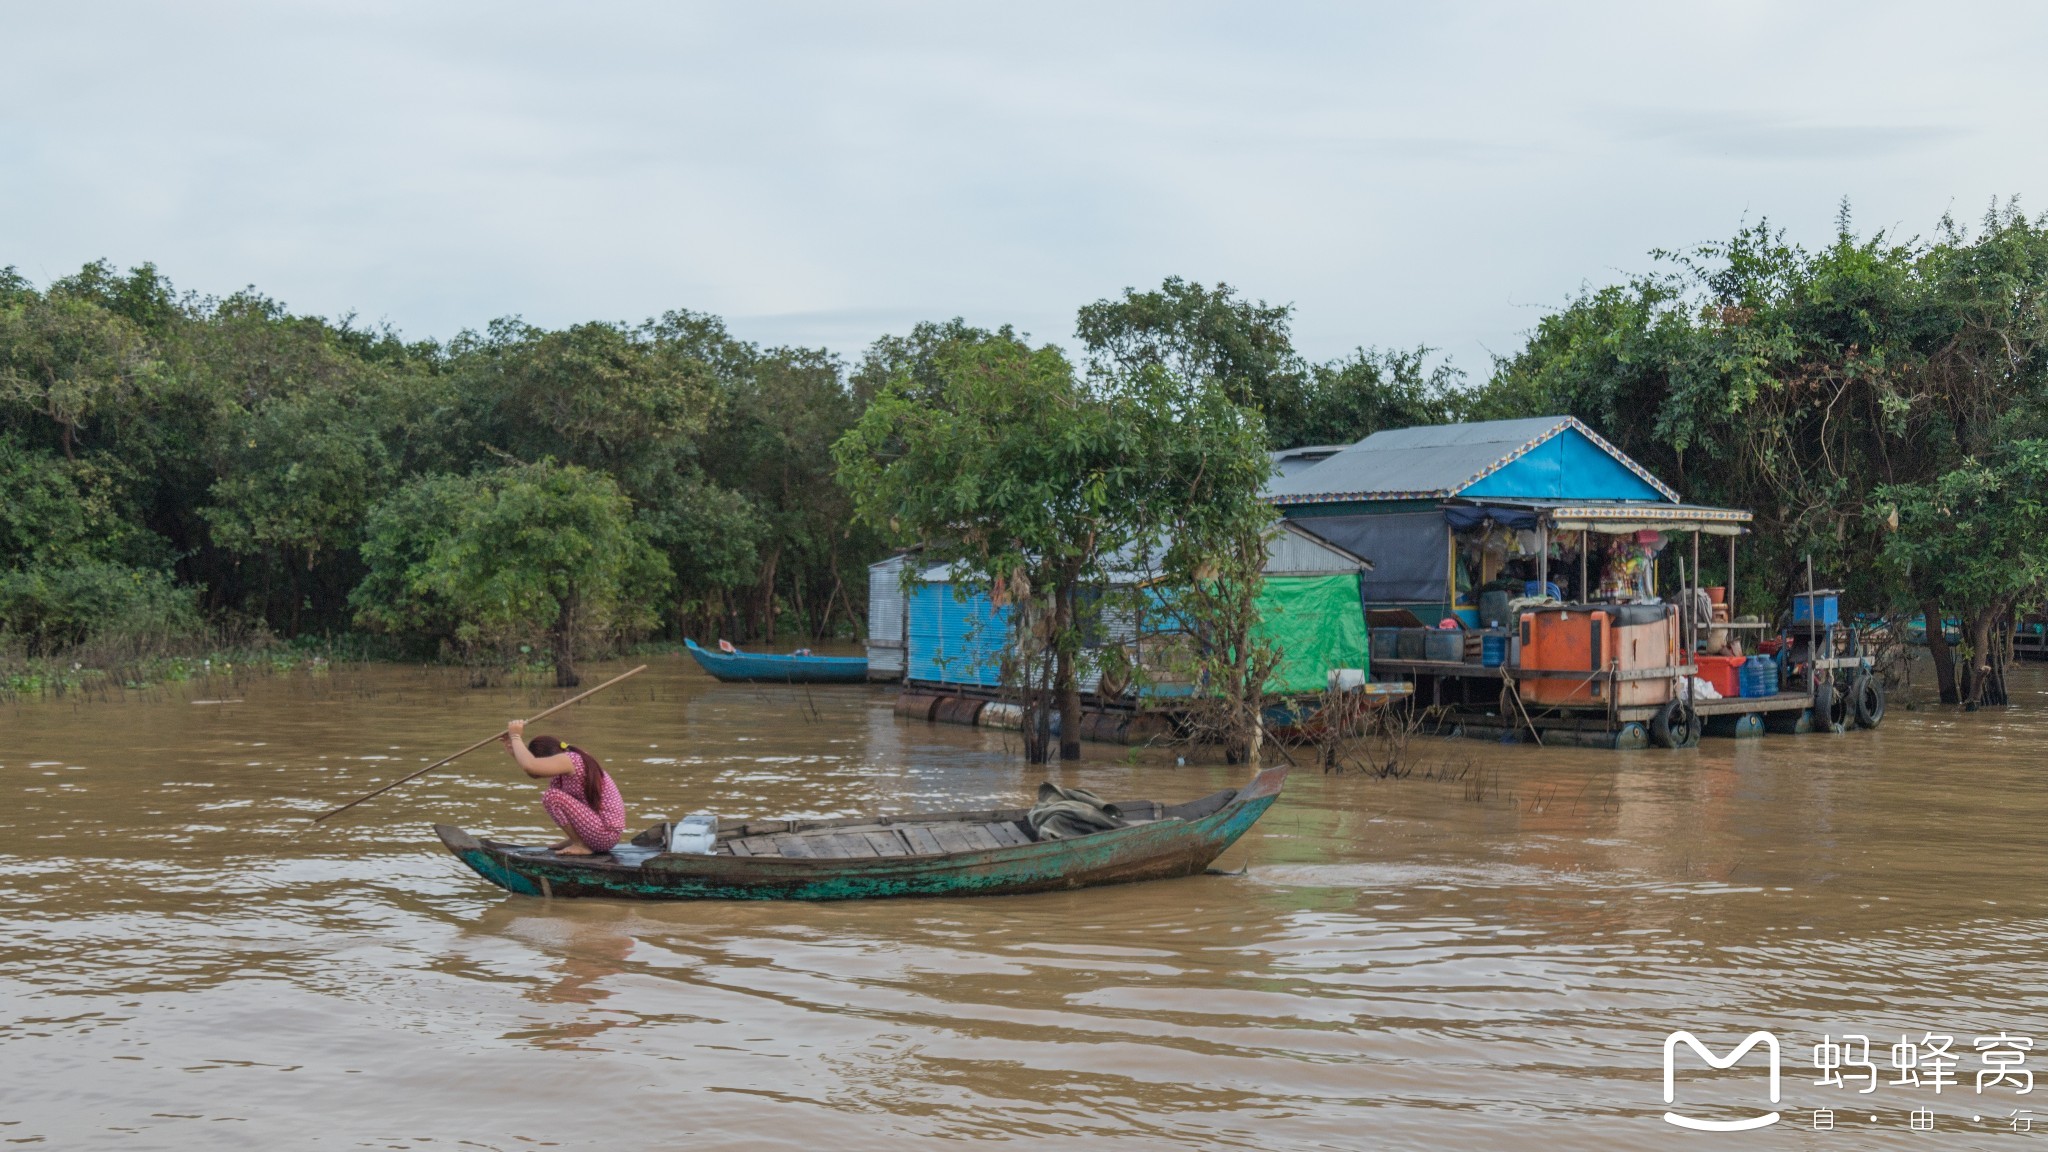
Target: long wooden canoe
{"type": "Point", "coordinates": [863, 857]}
{"type": "Point", "coordinates": [779, 668]}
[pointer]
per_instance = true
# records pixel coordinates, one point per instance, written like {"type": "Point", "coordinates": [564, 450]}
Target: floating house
{"type": "Point", "coordinates": [1445, 510]}
{"type": "Point", "coordinates": [929, 628]}
{"type": "Point", "coordinates": [1547, 545]}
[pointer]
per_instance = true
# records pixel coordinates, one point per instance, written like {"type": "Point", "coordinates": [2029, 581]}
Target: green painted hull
{"type": "Point", "coordinates": [1155, 850]}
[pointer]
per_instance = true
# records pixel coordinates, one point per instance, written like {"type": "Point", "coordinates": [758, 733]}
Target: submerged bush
{"type": "Point", "coordinates": [48, 609]}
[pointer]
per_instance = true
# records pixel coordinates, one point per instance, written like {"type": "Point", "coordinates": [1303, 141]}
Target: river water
{"type": "Point", "coordinates": [1491, 949]}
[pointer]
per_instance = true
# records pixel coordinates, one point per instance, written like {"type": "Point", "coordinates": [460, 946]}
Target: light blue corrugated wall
{"type": "Point", "coordinates": [956, 641]}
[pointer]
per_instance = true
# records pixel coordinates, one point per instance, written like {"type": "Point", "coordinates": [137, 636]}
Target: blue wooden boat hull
{"type": "Point", "coordinates": [1159, 849]}
{"type": "Point", "coordinates": [760, 667]}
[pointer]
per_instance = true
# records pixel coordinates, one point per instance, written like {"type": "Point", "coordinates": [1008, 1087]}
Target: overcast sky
{"type": "Point", "coordinates": [819, 175]}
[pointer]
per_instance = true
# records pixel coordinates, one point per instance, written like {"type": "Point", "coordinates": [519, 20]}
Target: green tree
{"type": "Point", "coordinates": [1245, 348]}
{"type": "Point", "coordinates": [1346, 400]}
{"type": "Point", "coordinates": [541, 555]}
{"type": "Point", "coordinates": [1205, 463]}
{"type": "Point", "coordinates": [66, 360]}
{"type": "Point", "coordinates": [1021, 474]}
{"type": "Point", "coordinates": [1799, 383]}
{"type": "Point", "coordinates": [772, 441]}
{"type": "Point", "coordinates": [625, 401]}
{"type": "Point", "coordinates": [712, 538]}
{"type": "Point", "coordinates": [1975, 541]}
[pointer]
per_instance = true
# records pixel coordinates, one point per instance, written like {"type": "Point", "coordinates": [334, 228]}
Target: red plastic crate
{"type": "Point", "coordinates": [1722, 672]}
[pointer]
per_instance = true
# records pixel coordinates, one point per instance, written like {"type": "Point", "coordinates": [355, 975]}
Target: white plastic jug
{"type": "Point", "coordinates": [693, 834]}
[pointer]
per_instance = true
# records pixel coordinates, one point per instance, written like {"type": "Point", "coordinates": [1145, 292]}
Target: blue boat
{"type": "Point", "coordinates": [795, 668]}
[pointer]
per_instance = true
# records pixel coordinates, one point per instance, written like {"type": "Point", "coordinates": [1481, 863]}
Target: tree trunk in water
{"type": "Point", "coordinates": [1944, 656]}
{"type": "Point", "coordinates": [1988, 663]}
{"type": "Point", "coordinates": [1978, 674]}
{"type": "Point", "coordinates": [1065, 681]}
{"type": "Point", "coordinates": [565, 648]}
{"type": "Point", "coordinates": [1037, 723]}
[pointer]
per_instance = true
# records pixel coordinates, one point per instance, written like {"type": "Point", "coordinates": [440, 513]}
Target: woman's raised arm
{"type": "Point", "coordinates": [538, 767]}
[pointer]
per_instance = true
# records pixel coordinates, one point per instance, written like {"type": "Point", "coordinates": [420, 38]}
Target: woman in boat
{"type": "Point", "coordinates": [580, 797]}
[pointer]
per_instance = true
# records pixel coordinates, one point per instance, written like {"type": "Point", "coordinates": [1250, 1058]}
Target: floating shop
{"type": "Point", "coordinates": [1530, 579]}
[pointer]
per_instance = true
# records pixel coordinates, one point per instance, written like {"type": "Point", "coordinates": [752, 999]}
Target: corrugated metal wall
{"type": "Point", "coordinates": [1295, 551]}
{"type": "Point", "coordinates": [952, 641]}
{"type": "Point", "coordinates": [887, 608]}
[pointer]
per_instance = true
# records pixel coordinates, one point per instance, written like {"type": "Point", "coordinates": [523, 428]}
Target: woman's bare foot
{"type": "Point", "coordinates": [574, 850]}
{"type": "Point", "coordinates": [558, 845]}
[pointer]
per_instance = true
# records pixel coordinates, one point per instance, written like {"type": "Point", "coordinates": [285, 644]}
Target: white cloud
{"type": "Point", "coordinates": [822, 174]}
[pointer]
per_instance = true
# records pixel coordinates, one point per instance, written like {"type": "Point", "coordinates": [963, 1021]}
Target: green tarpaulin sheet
{"type": "Point", "coordinates": [1318, 623]}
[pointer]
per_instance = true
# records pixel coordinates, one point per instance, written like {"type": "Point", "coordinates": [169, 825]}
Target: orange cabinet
{"type": "Point", "coordinates": [1585, 640]}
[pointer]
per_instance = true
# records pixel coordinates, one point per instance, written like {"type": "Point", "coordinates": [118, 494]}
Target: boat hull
{"type": "Point", "coordinates": [1156, 850]}
{"type": "Point", "coordinates": [770, 668]}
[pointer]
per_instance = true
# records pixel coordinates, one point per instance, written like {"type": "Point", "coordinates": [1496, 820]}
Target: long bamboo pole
{"type": "Point", "coordinates": [475, 746]}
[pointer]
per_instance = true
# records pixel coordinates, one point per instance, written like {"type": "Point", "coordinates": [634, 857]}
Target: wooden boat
{"type": "Point", "coordinates": [932, 854]}
{"type": "Point", "coordinates": [781, 669]}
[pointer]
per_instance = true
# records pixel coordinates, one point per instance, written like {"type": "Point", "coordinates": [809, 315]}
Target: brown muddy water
{"type": "Point", "coordinates": [1487, 952]}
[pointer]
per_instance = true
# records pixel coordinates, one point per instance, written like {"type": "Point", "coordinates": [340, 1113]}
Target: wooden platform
{"type": "Point", "coordinates": [1728, 706]}
{"type": "Point", "coordinates": [876, 840]}
{"type": "Point", "coordinates": [871, 837]}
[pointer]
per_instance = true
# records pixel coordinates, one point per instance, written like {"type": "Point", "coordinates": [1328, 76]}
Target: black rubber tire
{"type": "Point", "coordinates": [1866, 696]}
{"type": "Point", "coordinates": [1675, 725]}
{"type": "Point", "coordinates": [1830, 708]}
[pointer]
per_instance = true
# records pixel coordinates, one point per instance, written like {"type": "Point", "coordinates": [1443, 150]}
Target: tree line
{"type": "Point", "coordinates": [170, 460]}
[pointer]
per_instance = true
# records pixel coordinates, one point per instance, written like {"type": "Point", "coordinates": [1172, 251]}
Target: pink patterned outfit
{"type": "Point", "coordinates": [563, 799]}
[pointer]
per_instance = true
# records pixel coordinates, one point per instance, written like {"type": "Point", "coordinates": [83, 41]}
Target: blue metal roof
{"type": "Point", "coordinates": [1544, 457]}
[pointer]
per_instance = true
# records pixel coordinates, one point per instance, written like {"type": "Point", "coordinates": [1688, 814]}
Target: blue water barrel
{"type": "Point", "coordinates": [1493, 649]}
{"type": "Point", "coordinates": [1444, 644]}
{"type": "Point", "coordinates": [1759, 676]}
{"type": "Point", "coordinates": [1386, 643]}
{"type": "Point", "coordinates": [1411, 644]}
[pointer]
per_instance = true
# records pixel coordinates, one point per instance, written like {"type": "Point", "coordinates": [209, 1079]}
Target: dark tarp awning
{"type": "Point", "coordinates": [1409, 551]}
{"type": "Point", "coordinates": [1464, 518]}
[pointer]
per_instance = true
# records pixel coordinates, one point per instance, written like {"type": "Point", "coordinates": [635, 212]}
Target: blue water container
{"type": "Point", "coordinates": [1820, 607]}
{"type": "Point", "coordinates": [1386, 643]}
{"type": "Point", "coordinates": [1493, 649]}
{"type": "Point", "coordinates": [1759, 676]}
{"type": "Point", "coordinates": [1445, 645]}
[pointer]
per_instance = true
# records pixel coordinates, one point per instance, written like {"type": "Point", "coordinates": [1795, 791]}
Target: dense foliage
{"type": "Point", "coordinates": [1043, 487]}
{"type": "Point", "coordinates": [168, 459]}
{"type": "Point", "coordinates": [1875, 402]}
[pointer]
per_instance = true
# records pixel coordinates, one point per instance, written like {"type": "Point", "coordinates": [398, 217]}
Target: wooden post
{"type": "Point", "coordinates": [1542, 556]}
{"type": "Point", "coordinates": [1692, 600]}
{"type": "Point", "coordinates": [1729, 599]}
{"type": "Point", "coordinates": [1585, 589]}
{"type": "Point", "coordinates": [1451, 575]}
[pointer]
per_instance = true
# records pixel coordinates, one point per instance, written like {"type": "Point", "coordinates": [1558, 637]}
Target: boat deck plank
{"type": "Point", "coordinates": [886, 843]}
{"type": "Point", "coordinates": [952, 838]}
{"type": "Point", "coordinates": [921, 840]}
{"type": "Point", "coordinates": [1006, 834]}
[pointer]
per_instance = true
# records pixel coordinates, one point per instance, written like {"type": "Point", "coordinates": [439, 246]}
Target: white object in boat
{"type": "Point", "coordinates": [693, 834]}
